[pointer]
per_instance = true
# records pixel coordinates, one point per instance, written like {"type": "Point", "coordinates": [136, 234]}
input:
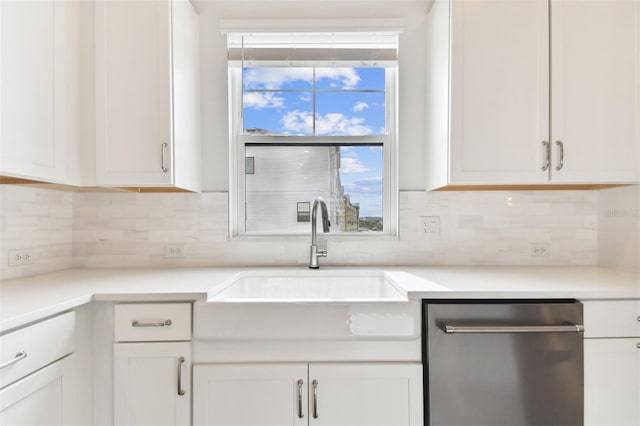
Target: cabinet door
{"type": "Point", "coordinates": [499, 91]}
{"type": "Point", "coordinates": [45, 397]}
{"type": "Point", "coordinates": [133, 86]}
{"type": "Point", "coordinates": [612, 382]}
{"type": "Point", "coordinates": [365, 394]}
{"type": "Point", "coordinates": [147, 381]}
{"type": "Point", "coordinates": [250, 395]}
{"type": "Point", "coordinates": [32, 82]}
{"type": "Point", "coordinates": [595, 76]}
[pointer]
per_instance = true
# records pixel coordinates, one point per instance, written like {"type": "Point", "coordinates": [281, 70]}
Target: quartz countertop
{"type": "Point", "coordinates": [29, 299]}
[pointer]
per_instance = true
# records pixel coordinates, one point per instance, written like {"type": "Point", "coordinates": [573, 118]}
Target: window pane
{"type": "Point", "coordinates": [277, 113]}
{"type": "Point", "coordinates": [349, 178]}
{"type": "Point", "coordinates": [350, 78]}
{"type": "Point", "coordinates": [350, 113]}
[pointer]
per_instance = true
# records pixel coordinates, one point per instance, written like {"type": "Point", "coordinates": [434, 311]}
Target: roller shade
{"type": "Point", "coordinates": [370, 44]}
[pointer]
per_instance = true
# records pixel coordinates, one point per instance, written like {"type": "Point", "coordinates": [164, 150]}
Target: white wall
{"type": "Point", "coordinates": [619, 227]}
{"type": "Point", "coordinates": [412, 60]}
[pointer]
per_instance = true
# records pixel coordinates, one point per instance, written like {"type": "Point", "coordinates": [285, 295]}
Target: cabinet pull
{"type": "Point", "coordinates": [547, 155]}
{"type": "Point", "coordinates": [560, 146]}
{"type": "Point", "coordinates": [164, 157]}
{"type": "Point", "coordinates": [151, 324]}
{"type": "Point", "coordinates": [638, 319]}
{"type": "Point", "coordinates": [180, 364]}
{"type": "Point", "coordinates": [315, 399]}
{"type": "Point", "coordinates": [300, 383]}
{"type": "Point", "coordinates": [19, 356]}
{"type": "Point", "coordinates": [638, 345]}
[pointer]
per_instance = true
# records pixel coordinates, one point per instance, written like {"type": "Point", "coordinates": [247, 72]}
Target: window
{"type": "Point", "coordinates": [316, 110]}
{"type": "Point", "coordinates": [250, 166]}
{"type": "Point", "coordinates": [304, 212]}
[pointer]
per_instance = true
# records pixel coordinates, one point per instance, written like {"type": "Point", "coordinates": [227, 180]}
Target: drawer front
{"type": "Point", "coordinates": [28, 349]}
{"type": "Point", "coordinates": [612, 318]}
{"type": "Point", "coordinates": [152, 322]}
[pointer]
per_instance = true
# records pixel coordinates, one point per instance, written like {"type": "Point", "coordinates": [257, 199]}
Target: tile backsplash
{"type": "Point", "coordinates": [40, 220]}
{"type": "Point", "coordinates": [122, 229]}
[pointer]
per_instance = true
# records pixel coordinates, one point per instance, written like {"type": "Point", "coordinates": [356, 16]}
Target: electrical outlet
{"type": "Point", "coordinates": [175, 250]}
{"type": "Point", "coordinates": [20, 257]}
{"type": "Point", "coordinates": [539, 250]}
{"type": "Point", "coordinates": [430, 226]}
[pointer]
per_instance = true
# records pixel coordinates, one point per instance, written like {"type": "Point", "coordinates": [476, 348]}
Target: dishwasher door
{"type": "Point", "coordinates": [503, 364]}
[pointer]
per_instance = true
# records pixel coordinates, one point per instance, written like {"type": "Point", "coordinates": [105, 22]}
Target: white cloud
{"type": "Point", "coordinates": [298, 122]}
{"type": "Point", "coordinates": [326, 125]}
{"type": "Point", "coordinates": [371, 185]}
{"type": "Point", "coordinates": [350, 165]}
{"type": "Point", "coordinates": [360, 106]}
{"type": "Point", "coordinates": [260, 100]}
{"type": "Point", "coordinates": [347, 76]}
{"type": "Point", "coordinates": [274, 78]}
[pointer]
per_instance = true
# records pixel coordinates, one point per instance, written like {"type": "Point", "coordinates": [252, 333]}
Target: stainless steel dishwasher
{"type": "Point", "coordinates": [503, 363]}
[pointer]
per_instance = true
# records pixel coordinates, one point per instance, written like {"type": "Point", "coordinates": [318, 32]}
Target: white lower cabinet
{"type": "Point", "coordinates": [37, 373]}
{"type": "Point", "coordinates": [46, 397]}
{"type": "Point", "coordinates": [152, 383]}
{"type": "Point", "coordinates": [612, 382]}
{"type": "Point", "coordinates": [612, 363]}
{"type": "Point", "coordinates": [308, 394]}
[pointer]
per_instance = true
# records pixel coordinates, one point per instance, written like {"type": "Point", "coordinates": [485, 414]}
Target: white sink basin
{"type": "Point", "coordinates": [308, 286]}
{"type": "Point", "coordinates": [276, 305]}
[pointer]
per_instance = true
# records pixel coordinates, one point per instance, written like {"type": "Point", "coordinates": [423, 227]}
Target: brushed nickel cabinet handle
{"type": "Point", "coordinates": [315, 399]}
{"type": "Point", "coordinates": [19, 357]}
{"type": "Point", "coordinates": [137, 323]}
{"type": "Point", "coordinates": [180, 364]}
{"type": "Point", "coordinates": [300, 414]}
{"type": "Point", "coordinates": [547, 156]}
{"type": "Point", "coordinates": [164, 157]}
{"type": "Point", "coordinates": [560, 146]}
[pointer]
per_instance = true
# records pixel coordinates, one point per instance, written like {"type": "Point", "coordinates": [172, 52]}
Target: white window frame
{"type": "Point", "coordinates": [237, 177]}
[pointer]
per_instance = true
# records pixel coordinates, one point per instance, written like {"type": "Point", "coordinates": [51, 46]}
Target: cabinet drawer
{"type": "Point", "coordinates": [612, 318]}
{"type": "Point", "coordinates": [147, 322]}
{"type": "Point", "coordinates": [35, 346]}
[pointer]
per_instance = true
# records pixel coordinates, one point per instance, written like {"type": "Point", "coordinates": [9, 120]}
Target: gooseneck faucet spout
{"type": "Point", "coordinates": [315, 253]}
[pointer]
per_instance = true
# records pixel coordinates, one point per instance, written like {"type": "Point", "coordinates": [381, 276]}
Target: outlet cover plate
{"type": "Point", "coordinates": [175, 251]}
{"type": "Point", "coordinates": [21, 257]}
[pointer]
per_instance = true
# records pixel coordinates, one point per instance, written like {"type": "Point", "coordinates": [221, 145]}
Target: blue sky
{"type": "Point", "coordinates": [280, 100]}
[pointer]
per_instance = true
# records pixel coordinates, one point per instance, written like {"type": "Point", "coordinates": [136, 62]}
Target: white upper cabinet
{"type": "Point", "coordinates": [531, 92]}
{"type": "Point", "coordinates": [595, 97]}
{"type": "Point", "coordinates": [489, 103]}
{"type": "Point", "coordinates": [38, 87]}
{"type": "Point", "coordinates": [147, 94]}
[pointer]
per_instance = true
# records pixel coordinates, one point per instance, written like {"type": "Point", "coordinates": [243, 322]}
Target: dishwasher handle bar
{"type": "Point", "coordinates": [574, 328]}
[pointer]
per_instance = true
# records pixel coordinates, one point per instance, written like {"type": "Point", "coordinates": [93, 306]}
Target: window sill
{"type": "Point", "coordinates": [329, 237]}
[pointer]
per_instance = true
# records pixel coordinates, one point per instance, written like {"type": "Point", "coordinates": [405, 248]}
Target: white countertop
{"type": "Point", "coordinates": [29, 299]}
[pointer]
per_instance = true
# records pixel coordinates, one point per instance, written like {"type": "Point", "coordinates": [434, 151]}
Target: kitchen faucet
{"type": "Point", "coordinates": [315, 253]}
